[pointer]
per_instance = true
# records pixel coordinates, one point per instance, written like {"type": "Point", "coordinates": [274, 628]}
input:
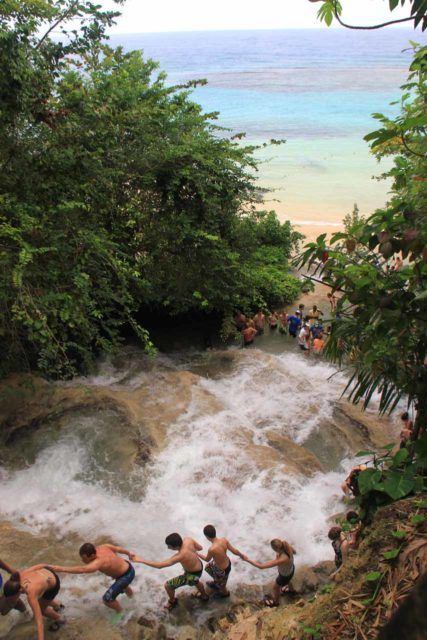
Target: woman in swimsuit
{"type": "Point", "coordinates": [284, 562]}
{"type": "Point", "coordinates": [41, 586]}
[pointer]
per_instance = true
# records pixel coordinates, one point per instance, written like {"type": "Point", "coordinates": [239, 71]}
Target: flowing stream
{"type": "Point", "coordinates": [252, 451]}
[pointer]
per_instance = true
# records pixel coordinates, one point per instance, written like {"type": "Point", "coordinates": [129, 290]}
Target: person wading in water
{"type": "Point", "coordinates": [186, 554]}
{"type": "Point", "coordinates": [105, 559]}
{"type": "Point", "coordinates": [219, 566]}
{"type": "Point", "coordinates": [284, 561]}
{"type": "Point", "coordinates": [41, 586]}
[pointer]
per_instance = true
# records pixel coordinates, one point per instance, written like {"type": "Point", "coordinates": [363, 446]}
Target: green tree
{"type": "Point", "coordinates": [118, 195]}
{"type": "Point", "coordinates": [380, 333]}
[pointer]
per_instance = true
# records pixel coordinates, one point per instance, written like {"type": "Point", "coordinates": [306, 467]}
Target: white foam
{"type": "Point", "coordinates": [205, 474]}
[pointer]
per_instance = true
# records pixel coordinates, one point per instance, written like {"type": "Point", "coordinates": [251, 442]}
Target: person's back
{"type": "Point", "coordinates": [294, 322]}
{"type": "Point", "coordinates": [318, 345]}
{"type": "Point", "coordinates": [111, 564]}
{"type": "Point", "coordinates": [189, 559]}
{"type": "Point", "coordinates": [219, 564]}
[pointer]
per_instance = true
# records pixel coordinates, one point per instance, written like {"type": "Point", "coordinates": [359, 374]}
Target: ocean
{"type": "Point", "coordinates": [316, 88]}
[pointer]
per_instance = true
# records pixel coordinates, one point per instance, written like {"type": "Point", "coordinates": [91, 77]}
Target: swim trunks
{"type": "Point", "coordinates": [51, 593]}
{"type": "Point", "coordinates": [220, 576]}
{"type": "Point", "coordinates": [188, 578]}
{"type": "Point", "coordinates": [120, 585]}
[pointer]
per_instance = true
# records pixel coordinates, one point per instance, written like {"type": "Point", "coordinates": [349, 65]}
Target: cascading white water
{"type": "Point", "coordinates": [206, 473]}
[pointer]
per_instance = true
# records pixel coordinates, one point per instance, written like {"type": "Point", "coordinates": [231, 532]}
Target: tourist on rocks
{"type": "Point", "coordinates": [105, 559]}
{"type": "Point", "coordinates": [340, 547]}
{"type": "Point", "coordinates": [283, 322]}
{"type": "Point", "coordinates": [316, 329]}
{"type": "Point", "coordinates": [353, 534]}
{"type": "Point", "coordinates": [249, 333]}
{"type": "Point", "coordinates": [294, 323]}
{"type": "Point", "coordinates": [273, 320]}
{"type": "Point", "coordinates": [259, 322]}
{"type": "Point", "coordinates": [219, 564]}
{"type": "Point", "coordinates": [314, 314]}
{"type": "Point", "coordinates": [333, 302]}
{"type": "Point", "coordinates": [186, 554]}
{"type": "Point", "coordinates": [41, 585]}
{"type": "Point", "coordinates": [240, 320]}
{"type": "Point", "coordinates": [350, 484]}
{"type": "Point", "coordinates": [301, 308]}
{"type": "Point", "coordinates": [284, 561]}
{"type": "Point", "coordinates": [7, 604]}
{"type": "Point", "coordinates": [407, 430]}
{"type": "Point", "coordinates": [304, 338]}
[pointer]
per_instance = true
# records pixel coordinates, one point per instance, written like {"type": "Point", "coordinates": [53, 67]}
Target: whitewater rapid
{"type": "Point", "coordinates": [206, 473]}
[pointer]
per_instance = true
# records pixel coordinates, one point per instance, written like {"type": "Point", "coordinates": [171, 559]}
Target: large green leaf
{"type": "Point", "coordinates": [398, 485]}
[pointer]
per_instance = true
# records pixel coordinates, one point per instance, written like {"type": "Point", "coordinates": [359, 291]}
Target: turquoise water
{"type": "Point", "coordinates": [315, 88]}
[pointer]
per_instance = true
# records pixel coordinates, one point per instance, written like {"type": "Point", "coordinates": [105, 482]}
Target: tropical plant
{"type": "Point", "coordinates": [331, 9]}
{"type": "Point", "coordinates": [380, 331]}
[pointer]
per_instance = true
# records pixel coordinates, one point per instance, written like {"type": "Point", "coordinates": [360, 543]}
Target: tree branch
{"type": "Point", "coordinates": [61, 18]}
{"type": "Point", "coordinates": [375, 26]}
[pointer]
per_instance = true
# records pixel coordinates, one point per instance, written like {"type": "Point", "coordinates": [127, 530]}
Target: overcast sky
{"type": "Point", "coordinates": [193, 15]}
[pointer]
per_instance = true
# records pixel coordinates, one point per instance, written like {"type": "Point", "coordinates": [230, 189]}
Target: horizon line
{"type": "Point", "coordinates": [231, 29]}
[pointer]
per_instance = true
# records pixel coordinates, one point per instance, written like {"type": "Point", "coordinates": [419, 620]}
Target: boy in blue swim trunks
{"type": "Point", "coordinates": [186, 554]}
{"type": "Point", "coordinates": [105, 559]}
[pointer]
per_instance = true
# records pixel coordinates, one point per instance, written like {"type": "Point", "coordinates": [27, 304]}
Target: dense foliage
{"type": "Point", "coordinates": [117, 195]}
{"type": "Point", "coordinates": [381, 331]}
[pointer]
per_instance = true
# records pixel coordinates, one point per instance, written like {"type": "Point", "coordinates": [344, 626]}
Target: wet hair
{"type": "Point", "coordinates": [87, 549]}
{"type": "Point", "coordinates": [334, 533]}
{"type": "Point", "coordinates": [281, 546]}
{"type": "Point", "coordinates": [173, 540]}
{"type": "Point", "coordinates": [352, 516]}
{"type": "Point", "coordinates": [209, 531]}
{"type": "Point", "coordinates": [404, 416]}
{"type": "Point", "coordinates": [12, 586]}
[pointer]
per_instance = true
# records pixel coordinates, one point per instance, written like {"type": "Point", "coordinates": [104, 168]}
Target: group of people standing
{"type": "Point", "coordinates": [41, 584]}
{"type": "Point", "coordinates": [307, 327]}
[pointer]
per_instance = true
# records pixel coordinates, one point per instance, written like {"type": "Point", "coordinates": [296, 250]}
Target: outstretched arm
{"type": "Point", "coordinates": [262, 565]}
{"type": "Point", "coordinates": [206, 557]}
{"type": "Point", "coordinates": [7, 567]}
{"type": "Point", "coordinates": [87, 568]}
{"type": "Point", "coordinates": [233, 550]}
{"type": "Point", "coordinates": [157, 565]}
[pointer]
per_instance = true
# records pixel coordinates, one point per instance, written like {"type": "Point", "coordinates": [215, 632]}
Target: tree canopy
{"type": "Point", "coordinates": [118, 195]}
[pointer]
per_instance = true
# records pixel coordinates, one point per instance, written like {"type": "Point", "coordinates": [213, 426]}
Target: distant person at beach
{"type": "Point", "coordinates": [240, 320]}
{"type": "Point", "coordinates": [314, 314]}
{"type": "Point", "coordinates": [186, 555]}
{"type": "Point", "coordinates": [284, 561]}
{"type": "Point", "coordinates": [259, 322]}
{"type": "Point", "coordinates": [249, 333]}
{"type": "Point", "coordinates": [294, 323]}
{"type": "Point", "coordinates": [407, 429]}
{"type": "Point", "coordinates": [350, 484]}
{"type": "Point", "coordinates": [273, 320]}
{"type": "Point", "coordinates": [105, 559]}
{"type": "Point", "coordinates": [318, 344]}
{"type": "Point", "coordinates": [41, 586]}
{"type": "Point", "coordinates": [7, 604]}
{"type": "Point", "coordinates": [219, 564]}
{"type": "Point", "coordinates": [333, 302]}
{"type": "Point", "coordinates": [304, 338]}
{"type": "Point", "coordinates": [283, 322]}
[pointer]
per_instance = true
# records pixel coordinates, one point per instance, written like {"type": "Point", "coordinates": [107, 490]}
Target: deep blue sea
{"type": "Point", "coordinates": [317, 88]}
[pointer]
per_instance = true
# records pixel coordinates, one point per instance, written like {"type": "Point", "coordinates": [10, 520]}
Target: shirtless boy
{"type": "Point", "coordinates": [186, 554]}
{"type": "Point", "coordinates": [105, 559]}
{"type": "Point", "coordinates": [7, 604]}
{"type": "Point", "coordinates": [41, 586]}
{"type": "Point", "coordinates": [219, 566]}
